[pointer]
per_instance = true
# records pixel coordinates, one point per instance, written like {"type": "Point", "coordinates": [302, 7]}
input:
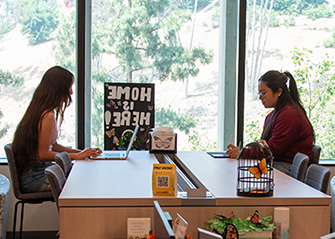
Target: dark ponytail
{"type": "Point", "coordinates": [276, 80]}
{"type": "Point", "coordinates": [294, 90]}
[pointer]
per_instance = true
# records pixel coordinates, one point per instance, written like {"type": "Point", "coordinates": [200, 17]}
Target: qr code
{"type": "Point", "coordinates": [162, 181]}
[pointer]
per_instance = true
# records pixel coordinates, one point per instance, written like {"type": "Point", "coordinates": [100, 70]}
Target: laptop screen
{"type": "Point", "coordinates": [132, 139]}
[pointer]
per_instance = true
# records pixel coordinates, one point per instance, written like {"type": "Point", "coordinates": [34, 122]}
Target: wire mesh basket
{"type": "Point", "coordinates": [255, 170]}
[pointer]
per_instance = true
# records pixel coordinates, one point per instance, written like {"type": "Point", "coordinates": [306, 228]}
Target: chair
{"type": "Point", "coordinates": [316, 153]}
{"type": "Point", "coordinates": [30, 198]}
{"type": "Point", "coordinates": [56, 177]}
{"type": "Point", "coordinates": [299, 166]}
{"type": "Point", "coordinates": [332, 194]}
{"type": "Point", "coordinates": [317, 176]}
{"type": "Point", "coordinates": [64, 161]}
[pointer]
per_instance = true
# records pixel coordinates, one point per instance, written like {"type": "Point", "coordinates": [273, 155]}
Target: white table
{"type": "Point", "coordinates": [99, 196]}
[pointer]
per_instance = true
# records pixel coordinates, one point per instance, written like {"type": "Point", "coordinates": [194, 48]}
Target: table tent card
{"type": "Point", "coordinates": [163, 140]}
{"type": "Point", "coordinates": [138, 227]}
{"type": "Point", "coordinates": [164, 180]}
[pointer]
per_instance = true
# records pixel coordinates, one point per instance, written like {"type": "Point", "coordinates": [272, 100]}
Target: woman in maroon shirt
{"type": "Point", "coordinates": [287, 129]}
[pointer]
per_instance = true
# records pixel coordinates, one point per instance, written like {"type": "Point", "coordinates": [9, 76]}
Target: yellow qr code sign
{"type": "Point", "coordinates": [164, 180]}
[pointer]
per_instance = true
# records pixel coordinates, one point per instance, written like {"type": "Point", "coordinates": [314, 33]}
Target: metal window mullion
{"type": "Point", "coordinates": [227, 72]}
{"type": "Point", "coordinates": [83, 74]}
{"type": "Point", "coordinates": [88, 74]}
{"type": "Point", "coordinates": [241, 70]}
{"type": "Point", "coordinates": [80, 74]}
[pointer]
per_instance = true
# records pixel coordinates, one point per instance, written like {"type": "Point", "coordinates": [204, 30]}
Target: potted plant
{"type": "Point", "coordinates": [246, 228]}
{"type": "Point", "coordinates": [125, 139]}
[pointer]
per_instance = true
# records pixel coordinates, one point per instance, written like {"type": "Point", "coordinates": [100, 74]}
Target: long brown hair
{"type": "Point", "coordinates": [52, 94]}
{"type": "Point", "coordinates": [276, 80]}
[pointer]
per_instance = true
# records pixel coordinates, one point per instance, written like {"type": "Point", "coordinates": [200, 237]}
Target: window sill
{"type": "Point", "coordinates": [3, 161]}
{"type": "Point", "coordinates": [327, 162]}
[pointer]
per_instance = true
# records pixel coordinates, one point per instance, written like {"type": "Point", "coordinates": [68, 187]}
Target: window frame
{"type": "Point", "coordinates": [231, 72]}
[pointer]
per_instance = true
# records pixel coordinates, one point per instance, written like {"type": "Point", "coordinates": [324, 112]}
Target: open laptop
{"type": "Point", "coordinates": [116, 154]}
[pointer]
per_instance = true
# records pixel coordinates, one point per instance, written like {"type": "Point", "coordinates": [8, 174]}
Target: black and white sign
{"type": "Point", "coordinates": [128, 104]}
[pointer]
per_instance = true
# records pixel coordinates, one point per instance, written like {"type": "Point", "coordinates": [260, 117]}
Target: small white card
{"type": "Point", "coordinates": [180, 227]}
{"type": "Point", "coordinates": [138, 227]}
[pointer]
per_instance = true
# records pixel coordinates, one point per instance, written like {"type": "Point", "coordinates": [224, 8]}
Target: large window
{"type": "Point", "coordinates": [298, 36]}
{"type": "Point", "coordinates": [173, 44]}
{"type": "Point", "coordinates": [33, 38]}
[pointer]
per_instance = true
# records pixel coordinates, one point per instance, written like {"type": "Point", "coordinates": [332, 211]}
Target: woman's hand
{"type": "Point", "coordinates": [232, 151]}
{"type": "Point", "coordinates": [86, 153]}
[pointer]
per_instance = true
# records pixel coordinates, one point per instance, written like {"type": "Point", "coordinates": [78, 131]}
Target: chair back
{"type": "Point", "coordinates": [316, 153]}
{"type": "Point", "coordinates": [13, 172]}
{"type": "Point", "coordinates": [299, 166]}
{"type": "Point", "coordinates": [318, 176]}
{"type": "Point", "coordinates": [64, 161]}
{"type": "Point", "coordinates": [56, 177]}
{"type": "Point", "coordinates": [332, 194]}
{"type": "Point", "coordinates": [38, 196]}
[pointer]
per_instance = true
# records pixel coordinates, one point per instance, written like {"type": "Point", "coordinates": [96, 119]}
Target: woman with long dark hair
{"type": "Point", "coordinates": [287, 129]}
{"type": "Point", "coordinates": [35, 139]}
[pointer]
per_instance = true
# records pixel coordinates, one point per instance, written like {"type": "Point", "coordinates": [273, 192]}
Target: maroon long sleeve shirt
{"type": "Point", "coordinates": [291, 133]}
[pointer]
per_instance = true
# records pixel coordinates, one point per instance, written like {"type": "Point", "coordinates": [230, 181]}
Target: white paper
{"type": "Point", "coordinates": [163, 129]}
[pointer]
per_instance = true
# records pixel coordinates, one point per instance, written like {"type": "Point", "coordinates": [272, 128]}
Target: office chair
{"type": "Point", "coordinates": [332, 194]}
{"type": "Point", "coordinates": [317, 176]}
{"type": "Point", "coordinates": [316, 153]}
{"type": "Point", "coordinates": [56, 179]}
{"type": "Point", "coordinates": [64, 161]}
{"type": "Point", "coordinates": [30, 198]}
{"type": "Point", "coordinates": [299, 166]}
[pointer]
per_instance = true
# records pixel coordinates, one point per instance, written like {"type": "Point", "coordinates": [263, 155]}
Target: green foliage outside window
{"type": "Point", "coordinates": [295, 6]}
{"type": "Point", "coordinates": [252, 130]}
{"type": "Point", "coordinates": [8, 79]}
{"type": "Point", "coordinates": [7, 19]}
{"type": "Point", "coordinates": [215, 17]}
{"type": "Point", "coordinates": [189, 4]}
{"type": "Point", "coordinates": [40, 22]}
{"type": "Point", "coordinates": [289, 22]}
{"type": "Point", "coordinates": [143, 35]}
{"type": "Point", "coordinates": [330, 42]}
{"type": "Point", "coordinates": [316, 85]}
{"type": "Point", "coordinates": [65, 42]}
{"type": "Point", "coordinates": [176, 120]}
{"type": "Point", "coordinates": [201, 142]}
{"type": "Point", "coordinates": [322, 11]}
{"type": "Point", "coordinates": [275, 21]}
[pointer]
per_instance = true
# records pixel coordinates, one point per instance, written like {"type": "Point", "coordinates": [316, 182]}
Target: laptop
{"type": "Point", "coordinates": [222, 154]}
{"type": "Point", "coordinates": [116, 154]}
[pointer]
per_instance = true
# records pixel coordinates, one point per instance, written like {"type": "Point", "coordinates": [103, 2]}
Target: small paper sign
{"type": "Point", "coordinates": [138, 227]}
{"type": "Point", "coordinates": [164, 180]}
